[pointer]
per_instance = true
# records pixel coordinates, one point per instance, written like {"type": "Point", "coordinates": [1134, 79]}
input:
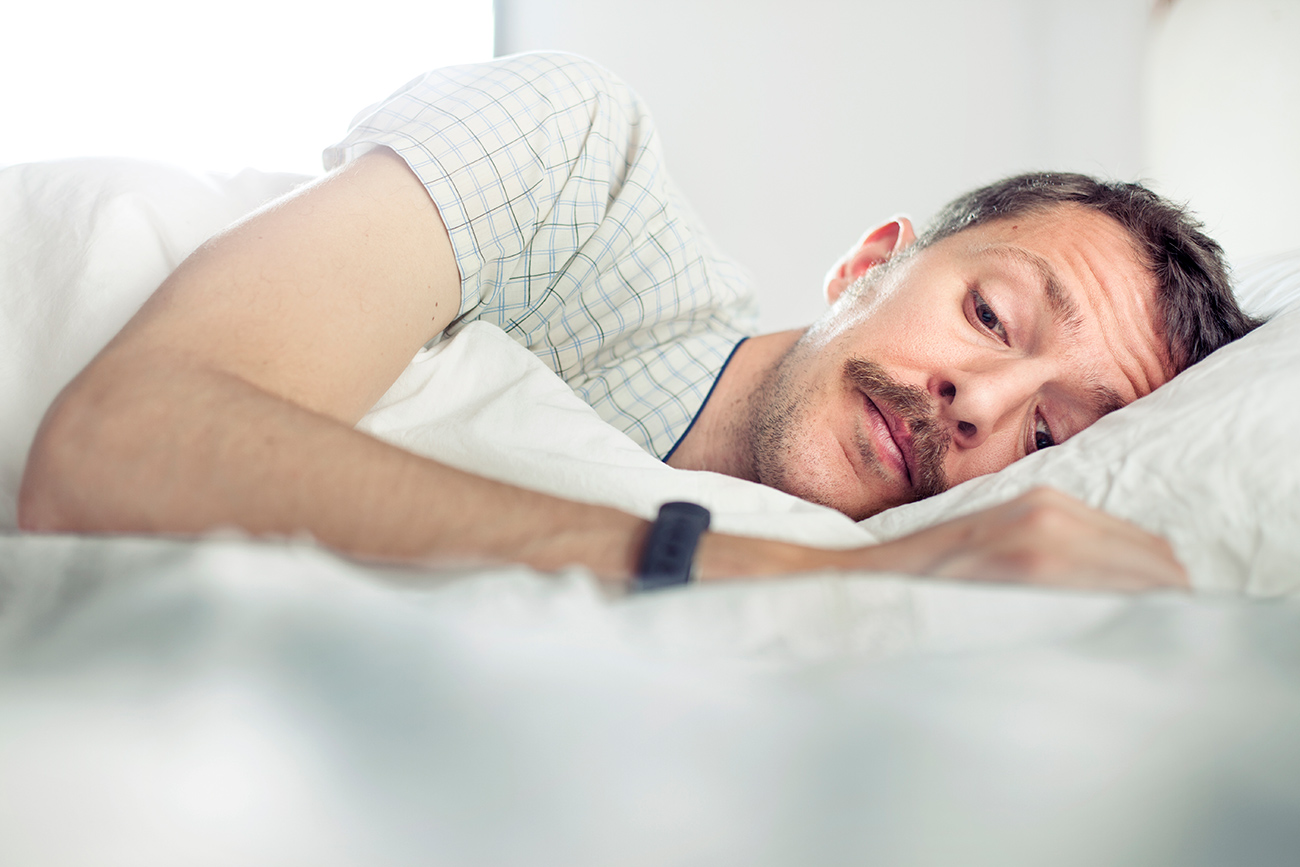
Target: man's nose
{"type": "Point", "coordinates": [975, 403]}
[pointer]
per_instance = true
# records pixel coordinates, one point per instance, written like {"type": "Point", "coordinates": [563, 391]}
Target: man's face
{"type": "Point", "coordinates": [958, 360]}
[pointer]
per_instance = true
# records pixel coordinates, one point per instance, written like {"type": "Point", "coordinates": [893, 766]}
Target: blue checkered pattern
{"type": "Point", "coordinates": [568, 232]}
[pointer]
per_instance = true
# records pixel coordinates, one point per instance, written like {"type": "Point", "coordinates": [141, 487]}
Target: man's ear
{"type": "Point", "coordinates": [876, 246]}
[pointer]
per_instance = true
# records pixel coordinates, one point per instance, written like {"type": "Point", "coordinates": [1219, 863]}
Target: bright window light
{"type": "Point", "coordinates": [260, 83]}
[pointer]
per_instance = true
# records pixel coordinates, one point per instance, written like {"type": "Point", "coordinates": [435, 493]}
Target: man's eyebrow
{"type": "Point", "coordinates": [1104, 399]}
{"type": "Point", "coordinates": [1059, 301]}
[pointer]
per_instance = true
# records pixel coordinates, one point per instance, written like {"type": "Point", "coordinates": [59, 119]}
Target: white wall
{"type": "Point", "coordinates": [1222, 124]}
{"type": "Point", "coordinates": [793, 126]}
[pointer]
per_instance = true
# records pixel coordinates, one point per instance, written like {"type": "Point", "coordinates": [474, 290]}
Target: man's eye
{"type": "Point", "coordinates": [1042, 435]}
{"type": "Point", "coordinates": [988, 317]}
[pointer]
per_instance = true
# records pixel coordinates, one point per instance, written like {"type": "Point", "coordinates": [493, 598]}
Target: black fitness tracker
{"type": "Point", "coordinates": [670, 550]}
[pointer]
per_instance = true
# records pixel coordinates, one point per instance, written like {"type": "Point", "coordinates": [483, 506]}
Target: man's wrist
{"type": "Point", "coordinates": [722, 556]}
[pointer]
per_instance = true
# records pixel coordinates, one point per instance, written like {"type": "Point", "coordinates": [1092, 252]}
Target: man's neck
{"type": "Point", "coordinates": [719, 440]}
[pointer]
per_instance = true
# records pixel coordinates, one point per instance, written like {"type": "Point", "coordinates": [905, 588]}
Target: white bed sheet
{"type": "Point", "coordinates": [232, 702]}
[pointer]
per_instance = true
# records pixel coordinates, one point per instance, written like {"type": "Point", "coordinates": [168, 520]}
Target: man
{"type": "Point", "coordinates": [528, 192]}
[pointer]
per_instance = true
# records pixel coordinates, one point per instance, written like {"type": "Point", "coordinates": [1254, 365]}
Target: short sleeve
{"type": "Point", "coordinates": [497, 146]}
{"type": "Point", "coordinates": [568, 233]}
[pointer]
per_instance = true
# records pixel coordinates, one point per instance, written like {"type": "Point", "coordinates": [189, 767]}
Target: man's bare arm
{"type": "Point", "coordinates": [229, 400]}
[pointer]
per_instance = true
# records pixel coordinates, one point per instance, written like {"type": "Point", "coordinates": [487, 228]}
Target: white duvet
{"type": "Point", "coordinates": [231, 701]}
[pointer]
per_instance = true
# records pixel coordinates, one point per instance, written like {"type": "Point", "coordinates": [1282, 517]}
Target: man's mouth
{"type": "Point", "coordinates": [894, 436]}
{"type": "Point", "coordinates": [902, 422]}
{"type": "Point", "coordinates": [901, 437]}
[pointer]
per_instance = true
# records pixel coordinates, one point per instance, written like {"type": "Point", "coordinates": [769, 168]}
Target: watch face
{"type": "Point", "coordinates": [670, 549]}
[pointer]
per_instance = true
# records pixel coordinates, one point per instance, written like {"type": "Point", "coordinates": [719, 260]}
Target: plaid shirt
{"type": "Point", "coordinates": [568, 233]}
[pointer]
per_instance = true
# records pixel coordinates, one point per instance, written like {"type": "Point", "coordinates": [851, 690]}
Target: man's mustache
{"type": "Point", "coordinates": [930, 438]}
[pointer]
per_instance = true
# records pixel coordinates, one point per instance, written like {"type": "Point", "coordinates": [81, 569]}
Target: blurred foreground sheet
{"type": "Point", "coordinates": [232, 702]}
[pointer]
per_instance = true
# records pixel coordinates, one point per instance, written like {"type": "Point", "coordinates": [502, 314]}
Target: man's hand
{"type": "Point", "coordinates": [1043, 537]}
{"type": "Point", "coordinates": [1047, 538]}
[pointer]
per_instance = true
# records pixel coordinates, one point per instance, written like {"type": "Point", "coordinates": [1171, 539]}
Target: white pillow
{"type": "Point", "coordinates": [1209, 460]}
{"type": "Point", "coordinates": [82, 244]}
{"type": "Point", "coordinates": [1267, 285]}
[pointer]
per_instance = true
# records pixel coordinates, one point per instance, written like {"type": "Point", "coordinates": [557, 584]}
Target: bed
{"type": "Point", "coordinates": [233, 700]}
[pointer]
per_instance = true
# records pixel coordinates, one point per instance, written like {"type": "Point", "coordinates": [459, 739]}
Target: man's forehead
{"type": "Point", "coordinates": [1068, 248]}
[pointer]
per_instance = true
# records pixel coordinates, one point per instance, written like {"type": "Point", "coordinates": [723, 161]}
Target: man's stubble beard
{"type": "Point", "coordinates": [779, 433]}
